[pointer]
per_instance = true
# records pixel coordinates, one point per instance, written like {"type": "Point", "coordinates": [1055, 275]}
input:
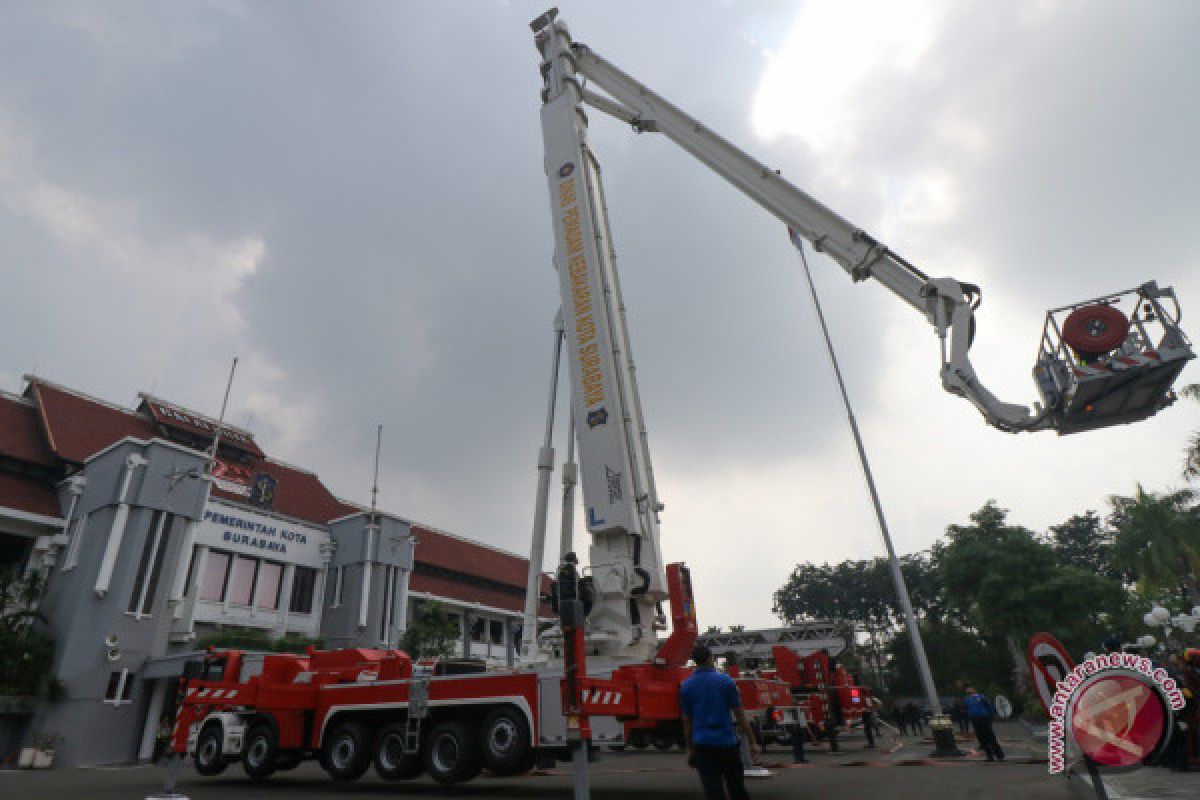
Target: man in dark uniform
{"type": "Point", "coordinates": [710, 703]}
{"type": "Point", "coordinates": [980, 712]}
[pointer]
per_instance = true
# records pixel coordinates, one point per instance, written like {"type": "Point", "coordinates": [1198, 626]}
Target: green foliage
{"type": "Point", "coordinates": [1009, 585]}
{"type": "Point", "coordinates": [259, 640]}
{"type": "Point", "coordinates": [961, 658]}
{"type": "Point", "coordinates": [1191, 460]}
{"type": "Point", "coordinates": [860, 592]}
{"type": "Point", "coordinates": [26, 653]}
{"type": "Point", "coordinates": [1157, 541]}
{"type": "Point", "coordinates": [1083, 541]}
{"type": "Point", "coordinates": [432, 632]}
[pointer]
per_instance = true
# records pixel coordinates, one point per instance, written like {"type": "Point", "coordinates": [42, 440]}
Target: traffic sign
{"type": "Point", "coordinates": [1049, 663]}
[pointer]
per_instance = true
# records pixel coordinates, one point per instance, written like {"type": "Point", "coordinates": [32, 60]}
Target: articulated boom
{"type": "Point", "coordinates": [615, 471]}
{"type": "Point", "coordinates": [1072, 401]}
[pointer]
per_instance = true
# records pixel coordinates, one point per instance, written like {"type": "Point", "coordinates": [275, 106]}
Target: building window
{"type": "Point", "coordinates": [239, 589]}
{"type": "Point", "coordinates": [216, 569]}
{"type": "Point", "coordinates": [303, 583]}
{"type": "Point", "coordinates": [74, 542]}
{"type": "Point", "coordinates": [120, 688]}
{"type": "Point", "coordinates": [141, 599]}
{"type": "Point", "coordinates": [477, 628]}
{"type": "Point", "coordinates": [338, 575]}
{"type": "Point", "coordinates": [497, 630]}
{"type": "Point", "coordinates": [266, 592]}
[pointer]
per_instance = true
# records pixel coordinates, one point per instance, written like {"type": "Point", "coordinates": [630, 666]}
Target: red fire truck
{"type": "Point", "coordinates": [350, 708]}
{"type": "Point", "coordinates": [357, 707]}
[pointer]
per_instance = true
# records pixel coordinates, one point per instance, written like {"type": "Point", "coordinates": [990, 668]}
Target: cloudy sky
{"type": "Point", "coordinates": [350, 198]}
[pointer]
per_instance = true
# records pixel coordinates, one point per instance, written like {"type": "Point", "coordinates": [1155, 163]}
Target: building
{"type": "Point", "coordinates": [151, 545]}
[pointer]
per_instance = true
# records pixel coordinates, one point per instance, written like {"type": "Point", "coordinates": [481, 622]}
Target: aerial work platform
{"type": "Point", "coordinates": [1111, 360]}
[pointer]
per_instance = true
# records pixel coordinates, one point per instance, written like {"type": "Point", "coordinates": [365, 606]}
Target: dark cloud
{"type": "Point", "coordinates": [351, 197]}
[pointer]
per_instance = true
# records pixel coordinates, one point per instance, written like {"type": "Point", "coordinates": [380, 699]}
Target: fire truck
{"type": "Point", "coordinates": [804, 656]}
{"type": "Point", "coordinates": [1100, 362]}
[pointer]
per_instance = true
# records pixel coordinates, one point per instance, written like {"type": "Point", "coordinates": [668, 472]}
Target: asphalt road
{"type": "Point", "coordinates": [899, 770]}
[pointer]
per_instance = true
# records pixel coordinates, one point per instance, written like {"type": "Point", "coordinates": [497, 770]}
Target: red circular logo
{"type": "Point", "coordinates": [1118, 720]}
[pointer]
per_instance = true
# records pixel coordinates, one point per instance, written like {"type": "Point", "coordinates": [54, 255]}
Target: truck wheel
{"type": "Point", "coordinates": [346, 753]}
{"type": "Point", "coordinates": [391, 762]}
{"type": "Point", "coordinates": [639, 740]}
{"type": "Point", "coordinates": [505, 740]}
{"type": "Point", "coordinates": [452, 753]}
{"type": "Point", "coordinates": [259, 751]}
{"type": "Point", "coordinates": [209, 758]}
{"type": "Point", "coordinates": [662, 740]}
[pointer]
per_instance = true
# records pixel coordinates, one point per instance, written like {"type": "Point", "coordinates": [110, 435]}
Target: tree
{"type": "Point", "coordinates": [1083, 541]}
{"type": "Point", "coordinates": [26, 653]}
{"type": "Point", "coordinates": [962, 659]}
{"type": "Point", "coordinates": [1191, 460]}
{"type": "Point", "coordinates": [1157, 541]}
{"type": "Point", "coordinates": [432, 632]}
{"type": "Point", "coordinates": [1008, 585]}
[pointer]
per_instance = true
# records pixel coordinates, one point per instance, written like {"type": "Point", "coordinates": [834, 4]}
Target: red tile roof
{"type": "Point", "coordinates": [173, 417]}
{"type": "Point", "coordinates": [78, 427]}
{"type": "Point", "coordinates": [21, 433]}
{"type": "Point", "coordinates": [31, 495]}
{"type": "Point", "coordinates": [298, 493]}
{"type": "Point", "coordinates": [450, 552]}
{"type": "Point", "coordinates": [455, 590]}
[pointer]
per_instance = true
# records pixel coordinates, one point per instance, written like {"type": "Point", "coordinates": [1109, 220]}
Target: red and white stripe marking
{"type": "Point", "coordinates": [601, 697]}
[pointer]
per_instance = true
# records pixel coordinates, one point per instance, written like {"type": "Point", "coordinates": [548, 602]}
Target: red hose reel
{"type": "Point", "coordinates": [1092, 331]}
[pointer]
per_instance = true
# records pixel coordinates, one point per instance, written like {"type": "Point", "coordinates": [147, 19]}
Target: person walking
{"type": "Point", "coordinates": [914, 718]}
{"type": "Point", "coordinates": [960, 715]}
{"type": "Point", "coordinates": [981, 713]}
{"type": "Point", "coordinates": [710, 703]}
{"type": "Point", "coordinates": [901, 719]}
{"type": "Point", "coordinates": [868, 723]}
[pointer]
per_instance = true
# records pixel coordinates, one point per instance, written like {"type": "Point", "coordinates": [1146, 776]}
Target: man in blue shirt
{"type": "Point", "coordinates": [710, 702]}
{"type": "Point", "coordinates": [980, 712]}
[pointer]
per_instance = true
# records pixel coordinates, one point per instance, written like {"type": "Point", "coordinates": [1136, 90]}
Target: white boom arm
{"type": "Point", "coordinates": [1082, 390]}
{"type": "Point", "coordinates": [946, 303]}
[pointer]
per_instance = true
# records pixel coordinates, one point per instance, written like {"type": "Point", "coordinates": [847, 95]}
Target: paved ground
{"type": "Point", "coordinates": [897, 771]}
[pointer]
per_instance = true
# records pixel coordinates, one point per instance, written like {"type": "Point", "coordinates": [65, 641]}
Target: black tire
{"type": "Point", "coordinates": [346, 752]}
{"type": "Point", "coordinates": [506, 743]}
{"type": "Point", "coordinates": [391, 762]}
{"type": "Point", "coordinates": [662, 740]}
{"type": "Point", "coordinates": [259, 750]}
{"type": "Point", "coordinates": [452, 753]}
{"type": "Point", "coordinates": [209, 758]}
{"type": "Point", "coordinates": [288, 759]}
{"type": "Point", "coordinates": [639, 740]}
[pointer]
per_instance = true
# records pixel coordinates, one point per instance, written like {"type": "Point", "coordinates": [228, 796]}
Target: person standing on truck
{"type": "Point", "coordinates": [981, 713]}
{"type": "Point", "coordinates": [710, 703]}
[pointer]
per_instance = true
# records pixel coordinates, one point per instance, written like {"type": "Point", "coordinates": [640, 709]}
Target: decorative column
{"type": "Point", "coordinates": [327, 549]}
{"type": "Point", "coordinates": [117, 533]}
{"type": "Point", "coordinates": [183, 625]}
{"type": "Point", "coordinates": [285, 600]}
{"type": "Point", "coordinates": [467, 618]}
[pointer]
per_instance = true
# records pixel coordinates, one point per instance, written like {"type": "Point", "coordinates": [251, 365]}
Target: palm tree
{"type": "Point", "coordinates": [1157, 540]}
{"type": "Point", "coordinates": [1191, 459]}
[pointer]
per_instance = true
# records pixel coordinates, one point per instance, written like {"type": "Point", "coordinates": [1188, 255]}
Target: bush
{"type": "Point", "coordinates": [26, 653]}
{"type": "Point", "coordinates": [255, 639]}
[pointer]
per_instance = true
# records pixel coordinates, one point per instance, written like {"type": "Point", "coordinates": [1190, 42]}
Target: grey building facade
{"type": "Point", "coordinates": [150, 546]}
